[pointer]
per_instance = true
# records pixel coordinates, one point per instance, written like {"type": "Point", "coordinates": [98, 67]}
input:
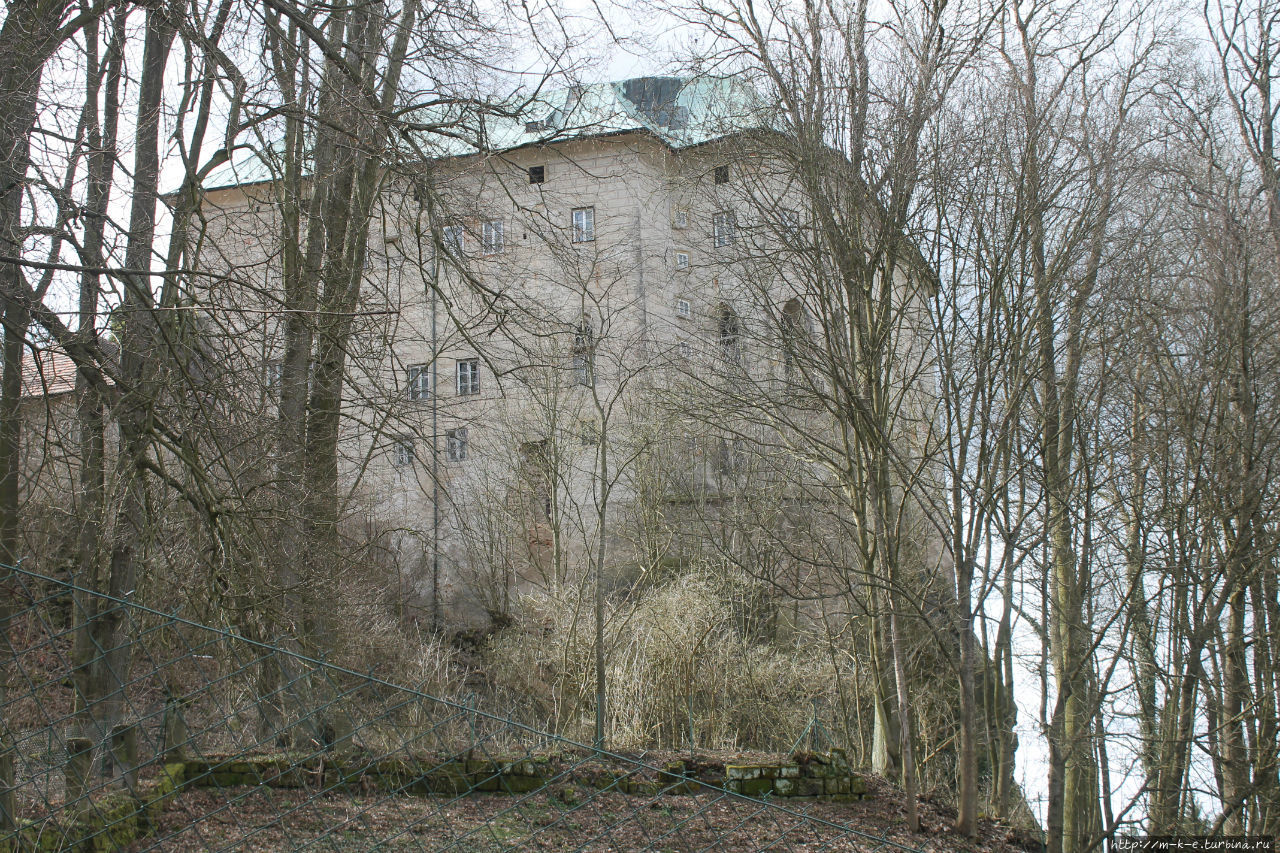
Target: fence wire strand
{"type": "Point", "coordinates": [126, 728]}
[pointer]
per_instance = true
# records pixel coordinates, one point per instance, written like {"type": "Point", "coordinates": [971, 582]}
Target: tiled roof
{"type": "Point", "coordinates": [681, 112]}
{"type": "Point", "coordinates": [47, 372]}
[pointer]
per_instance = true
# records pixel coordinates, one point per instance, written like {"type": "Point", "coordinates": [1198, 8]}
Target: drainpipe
{"type": "Point", "coordinates": [435, 450]}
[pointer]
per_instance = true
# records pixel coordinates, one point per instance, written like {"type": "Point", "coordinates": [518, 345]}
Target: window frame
{"type": "Point", "coordinates": [418, 385]}
{"type": "Point", "coordinates": [684, 308]}
{"type": "Point", "coordinates": [456, 444]}
{"type": "Point", "coordinates": [721, 174]}
{"type": "Point", "coordinates": [724, 229]}
{"type": "Point", "coordinates": [453, 238]}
{"type": "Point", "coordinates": [403, 452]}
{"type": "Point", "coordinates": [274, 379]}
{"type": "Point", "coordinates": [471, 386]}
{"type": "Point", "coordinates": [540, 172]}
{"type": "Point", "coordinates": [492, 237]}
{"type": "Point", "coordinates": [682, 255]}
{"type": "Point", "coordinates": [583, 355]}
{"type": "Point", "coordinates": [586, 231]}
{"type": "Point", "coordinates": [789, 218]}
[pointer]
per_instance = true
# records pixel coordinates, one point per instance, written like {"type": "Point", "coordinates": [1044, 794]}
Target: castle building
{"type": "Point", "coordinates": [532, 308]}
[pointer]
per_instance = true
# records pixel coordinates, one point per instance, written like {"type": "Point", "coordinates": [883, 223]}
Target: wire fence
{"type": "Point", "coordinates": [126, 728]}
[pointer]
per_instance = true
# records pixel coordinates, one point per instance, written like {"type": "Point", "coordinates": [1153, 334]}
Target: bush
{"type": "Point", "coordinates": [676, 658]}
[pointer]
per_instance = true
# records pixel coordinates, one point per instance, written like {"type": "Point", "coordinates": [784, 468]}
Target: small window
{"type": "Point", "coordinates": [402, 453]}
{"type": "Point", "coordinates": [680, 219]}
{"type": "Point", "coordinates": [730, 329]}
{"type": "Point", "coordinates": [469, 376]}
{"type": "Point", "coordinates": [686, 350]}
{"type": "Point", "coordinates": [584, 224]}
{"type": "Point", "coordinates": [453, 238]}
{"type": "Point", "coordinates": [790, 222]}
{"type": "Point", "coordinates": [535, 470]}
{"type": "Point", "coordinates": [491, 237]}
{"type": "Point", "coordinates": [275, 376]}
{"type": "Point", "coordinates": [724, 226]}
{"type": "Point", "coordinates": [584, 346]}
{"type": "Point", "coordinates": [682, 260]}
{"type": "Point", "coordinates": [419, 386]}
{"type": "Point", "coordinates": [455, 441]}
{"type": "Point", "coordinates": [722, 174]}
{"type": "Point", "coordinates": [731, 456]}
{"type": "Point", "coordinates": [588, 432]}
{"type": "Point", "coordinates": [797, 334]}
{"type": "Point", "coordinates": [684, 308]}
{"type": "Point", "coordinates": [537, 174]}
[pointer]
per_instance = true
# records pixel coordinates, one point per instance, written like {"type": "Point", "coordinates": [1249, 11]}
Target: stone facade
{"type": "Point", "coordinates": [519, 336]}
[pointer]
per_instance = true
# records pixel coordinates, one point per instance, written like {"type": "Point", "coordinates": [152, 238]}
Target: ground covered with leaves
{"type": "Point", "coordinates": [561, 817]}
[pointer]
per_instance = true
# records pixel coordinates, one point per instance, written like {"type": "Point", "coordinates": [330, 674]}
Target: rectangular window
{"type": "Point", "coordinates": [731, 456]}
{"type": "Point", "coordinates": [275, 375]}
{"type": "Point", "coordinates": [682, 260]}
{"type": "Point", "coordinates": [683, 308]}
{"type": "Point", "coordinates": [452, 238]}
{"type": "Point", "coordinates": [582, 372]}
{"type": "Point", "coordinates": [724, 227]}
{"type": "Point", "coordinates": [469, 376]}
{"type": "Point", "coordinates": [402, 454]}
{"type": "Point", "coordinates": [491, 237]}
{"type": "Point", "coordinates": [722, 174]}
{"type": "Point", "coordinates": [535, 469]}
{"type": "Point", "coordinates": [680, 219]}
{"type": "Point", "coordinates": [419, 387]}
{"type": "Point", "coordinates": [790, 221]}
{"type": "Point", "coordinates": [455, 441]}
{"type": "Point", "coordinates": [584, 224]}
{"type": "Point", "coordinates": [588, 432]}
{"type": "Point", "coordinates": [537, 174]}
{"type": "Point", "coordinates": [686, 350]}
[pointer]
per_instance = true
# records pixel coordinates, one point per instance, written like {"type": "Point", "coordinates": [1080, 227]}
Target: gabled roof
{"type": "Point", "coordinates": [681, 112]}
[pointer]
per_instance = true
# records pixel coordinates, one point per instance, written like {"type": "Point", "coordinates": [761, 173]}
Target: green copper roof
{"type": "Point", "coordinates": [679, 111]}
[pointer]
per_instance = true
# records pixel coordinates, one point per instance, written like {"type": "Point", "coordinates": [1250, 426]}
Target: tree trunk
{"type": "Point", "coordinates": [108, 673]}
{"type": "Point", "coordinates": [28, 38]}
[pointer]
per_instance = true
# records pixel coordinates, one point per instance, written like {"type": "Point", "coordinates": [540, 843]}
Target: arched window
{"type": "Point", "coordinates": [796, 339]}
{"type": "Point", "coordinates": [729, 329]}
{"type": "Point", "coordinates": [583, 354]}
